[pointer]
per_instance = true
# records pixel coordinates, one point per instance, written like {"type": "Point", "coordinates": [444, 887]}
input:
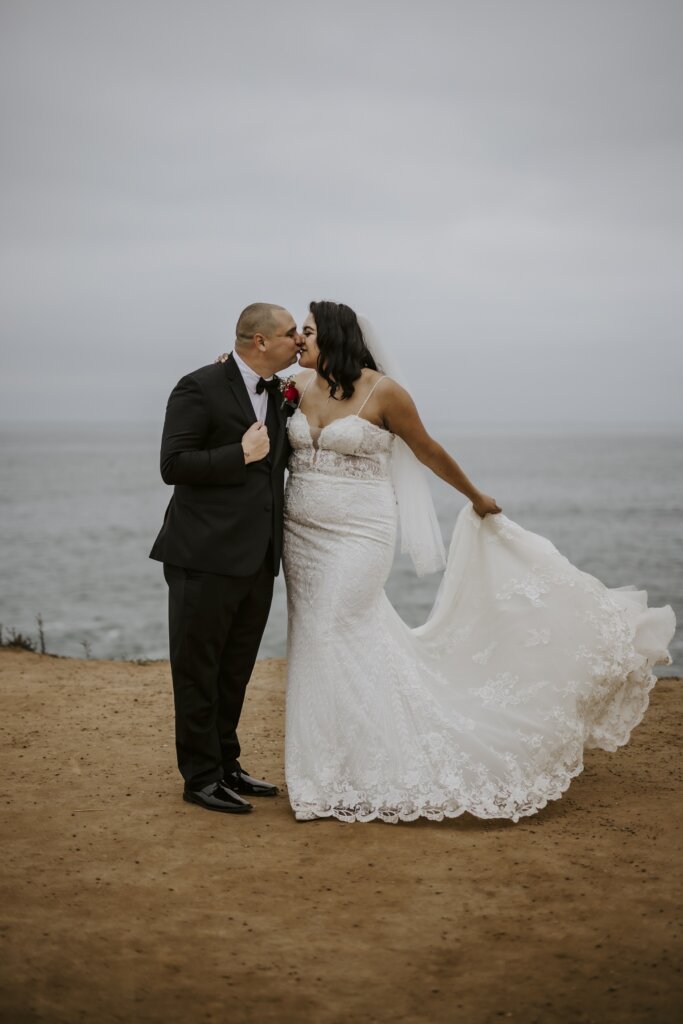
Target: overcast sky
{"type": "Point", "coordinates": [497, 185]}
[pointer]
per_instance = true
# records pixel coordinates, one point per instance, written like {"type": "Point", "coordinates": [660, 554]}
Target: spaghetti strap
{"type": "Point", "coordinates": [301, 397]}
{"type": "Point", "coordinates": [369, 394]}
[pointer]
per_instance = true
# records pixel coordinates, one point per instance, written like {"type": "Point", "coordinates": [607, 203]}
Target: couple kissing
{"type": "Point", "coordinates": [523, 663]}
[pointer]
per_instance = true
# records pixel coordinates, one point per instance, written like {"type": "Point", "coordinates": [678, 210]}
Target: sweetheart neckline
{"type": "Point", "coordinates": [351, 416]}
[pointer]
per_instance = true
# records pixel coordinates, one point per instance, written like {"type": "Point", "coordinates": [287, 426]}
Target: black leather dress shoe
{"type": "Point", "coordinates": [240, 782]}
{"type": "Point", "coordinates": [217, 797]}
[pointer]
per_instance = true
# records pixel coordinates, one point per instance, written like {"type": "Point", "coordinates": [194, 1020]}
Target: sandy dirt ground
{"type": "Point", "coordinates": [120, 902]}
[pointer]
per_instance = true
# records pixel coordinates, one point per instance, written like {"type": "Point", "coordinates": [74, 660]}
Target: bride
{"type": "Point", "coordinates": [524, 662]}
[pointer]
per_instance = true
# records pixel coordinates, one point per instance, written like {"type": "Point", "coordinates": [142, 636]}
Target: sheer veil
{"type": "Point", "coordinates": [420, 531]}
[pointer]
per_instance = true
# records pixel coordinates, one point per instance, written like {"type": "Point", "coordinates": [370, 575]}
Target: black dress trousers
{"type": "Point", "coordinates": [215, 628]}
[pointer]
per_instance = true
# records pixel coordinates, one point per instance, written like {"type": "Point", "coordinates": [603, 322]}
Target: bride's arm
{"type": "Point", "coordinates": [400, 416]}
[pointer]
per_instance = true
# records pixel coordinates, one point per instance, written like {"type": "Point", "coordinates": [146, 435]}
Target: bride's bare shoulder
{"type": "Point", "coordinates": [389, 385]}
{"type": "Point", "coordinates": [391, 396]}
{"type": "Point", "coordinates": [370, 377]}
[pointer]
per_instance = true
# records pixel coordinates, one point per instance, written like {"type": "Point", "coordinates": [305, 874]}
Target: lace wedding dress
{"type": "Point", "coordinates": [524, 662]}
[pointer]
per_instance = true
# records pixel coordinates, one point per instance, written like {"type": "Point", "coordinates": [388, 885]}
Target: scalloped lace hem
{"type": "Point", "coordinates": [408, 811]}
{"type": "Point", "coordinates": [523, 803]}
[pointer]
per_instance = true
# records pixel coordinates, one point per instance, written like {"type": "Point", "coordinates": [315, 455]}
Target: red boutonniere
{"type": "Point", "coordinates": [290, 394]}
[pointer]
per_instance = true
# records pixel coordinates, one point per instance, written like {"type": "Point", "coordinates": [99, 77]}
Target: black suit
{"type": "Point", "coordinates": [220, 543]}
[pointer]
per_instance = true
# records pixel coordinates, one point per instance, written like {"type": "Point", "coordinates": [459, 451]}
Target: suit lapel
{"type": "Point", "coordinates": [239, 390]}
{"type": "Point", "coordinates": [281, 427]}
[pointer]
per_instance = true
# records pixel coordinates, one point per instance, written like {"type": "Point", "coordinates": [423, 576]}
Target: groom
{"type": "Point", "coordinates": [224, 447]}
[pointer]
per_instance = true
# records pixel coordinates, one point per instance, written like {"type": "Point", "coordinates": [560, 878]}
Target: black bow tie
{"type": "Point", "coordinates": [272, 386]}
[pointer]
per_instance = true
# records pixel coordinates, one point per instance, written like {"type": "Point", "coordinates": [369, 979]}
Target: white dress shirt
{"type": "Point", "coordinates": [251, 379]}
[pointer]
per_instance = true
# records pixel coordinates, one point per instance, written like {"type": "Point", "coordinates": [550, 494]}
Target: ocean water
{"type": "Point", "coordinates": [81, 504]}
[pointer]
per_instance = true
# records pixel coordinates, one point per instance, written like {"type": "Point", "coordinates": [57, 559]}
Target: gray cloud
{"type": "Point", "coordinates": [495, 184]}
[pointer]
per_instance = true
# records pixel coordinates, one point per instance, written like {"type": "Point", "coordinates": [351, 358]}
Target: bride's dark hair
{"type": "Point", "coordinates": [343, 352]}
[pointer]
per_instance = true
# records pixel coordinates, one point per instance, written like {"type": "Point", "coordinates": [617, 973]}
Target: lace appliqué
{"type": "Point", "coordinates": [350, 467]}
{"type": "Point", "coordinates": [350, 447]}
{"type": "Point", "coordinates": [483, 657]}
{"type": "Point", "coordinates": [536, 637]}
{"type": "Point", "coordinates": [530, 586]}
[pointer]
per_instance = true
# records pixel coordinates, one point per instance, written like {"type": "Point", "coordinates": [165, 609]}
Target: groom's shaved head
{"type": "Point", "coordinates": [258, 318]}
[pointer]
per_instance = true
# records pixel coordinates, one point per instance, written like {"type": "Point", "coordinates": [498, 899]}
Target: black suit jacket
{"type": "Point", "coordinates": [223, 513]}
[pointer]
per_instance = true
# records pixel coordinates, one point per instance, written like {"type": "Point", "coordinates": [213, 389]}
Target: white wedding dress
{"type": "Point", "coordinates": [524, 662]}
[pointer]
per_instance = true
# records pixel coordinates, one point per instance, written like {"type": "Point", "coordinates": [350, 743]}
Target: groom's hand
{"type": "Point", "coordinates": [256, 443]}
